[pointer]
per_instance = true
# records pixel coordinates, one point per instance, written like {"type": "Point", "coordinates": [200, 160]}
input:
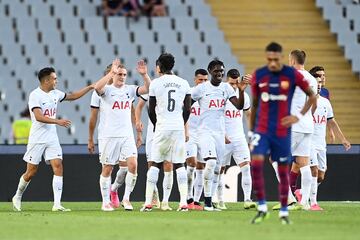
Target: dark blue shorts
{"type": "Point", "coordinates": [279, 148]}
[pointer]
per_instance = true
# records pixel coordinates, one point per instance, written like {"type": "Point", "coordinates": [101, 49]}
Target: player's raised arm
{"type": "Point", "coordinates": [334, 126]}
{"type": "Point", "coordinates": [142, 70]}
{"type": "Point", "coordinates": [39, 116]}
{"type": "Point", "coordinates": [238, 102]}
{"type": "Point", "coordinates": [100, 85]}
{"type": "Point", "coordinates": [79, 94]}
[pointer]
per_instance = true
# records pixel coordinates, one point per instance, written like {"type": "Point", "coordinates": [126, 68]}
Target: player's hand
{"type": "Point", "coordinates": [242, 84]}
{"type": "Point", "coordinates": [227, 140]}
{"type": "Point", "coordinates": [141, 67]}
{"type": "Point", "coordinates": [346, 144]}
{"type": "Point", "coordinates": [115, 66]}
{"type": "Point", "coordinates": [139, 126]}
{"type": "Point", "coordinates": [138, 140]}
{"type": "Point", "coordinates": [91, 146]}
{"type": "Point", "coordinates": [64, 123]}
{"type": "Point", "coordinates": [289, 120]}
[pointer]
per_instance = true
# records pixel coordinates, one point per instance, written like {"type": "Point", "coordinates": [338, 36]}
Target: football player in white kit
{"type": "Point", "coordinates": [323, 116]}
{"type": "Point", "coordinates": [95, 110]}
{"type": "Point", "coordinates": [194, 161]}
{"type": "Point", "coordinates": [236, 144]}
{"type": "Point", "coordinates": [118, 139]}
{"type": "Point", "coordinates": [169, 110]}
{"type": "Point", "coordinates": [212, 96]}
{"type": "Point", "coordinates": [43, 139]}
{"type": "Point", "coordinates": [167, 166]}
{"type": "Point", "coordinates": [302, 131]}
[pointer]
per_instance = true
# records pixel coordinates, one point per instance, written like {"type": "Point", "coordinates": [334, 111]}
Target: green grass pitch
{"type": "Point", "coordinates": [339, 221]}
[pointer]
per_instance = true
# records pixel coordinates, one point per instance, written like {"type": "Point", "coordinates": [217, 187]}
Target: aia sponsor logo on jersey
{"type": "Point", "coordinates": [232, 114]}
{"type": "Point", "coordinates": [319, 119]}
{"type": "Point", "coordinates": [50, 112]}
{"type": "Point", "coordinates": [217, 103]}
{"type": "Point", "coordinates": [195, 111]}
{"type": "Point", "coordinates": [121, 105]}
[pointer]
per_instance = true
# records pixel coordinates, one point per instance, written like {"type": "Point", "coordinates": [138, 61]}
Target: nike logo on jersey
{"type": "Point", "coordinates": [44, 103]}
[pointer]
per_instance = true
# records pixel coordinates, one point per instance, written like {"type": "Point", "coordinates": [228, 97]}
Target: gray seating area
{"type": "Point", "coordinates": [74, 38]}
{"type": "Point", "coordinates": [344, 19]}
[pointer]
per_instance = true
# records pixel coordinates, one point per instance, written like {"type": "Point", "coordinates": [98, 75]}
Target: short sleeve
{"type": "Point", "coordinates": [246, 101]}
{"type": "Point", "coordinates": [152, 89]}
{"type": "Point", "coordinates": [230, 92]}
{"type": "Point", "coordinates": [60, 95]}
{"type": "Point", "coordinates": [145, 97]}
{"type": "Point", "coordinates": [95, 100]}
{"type": "Point", "coordinates": [330, 112]}
{"type": "Point", "coordinates": [34, 102]}
{"type": "Point", "coordinates": [106, 91]}
{"type": "Point", "coordinates": [300, 81]}
{"type": "Point", "coordinates": [134, 91]}
{"type": "Point", "coordinates": [196, 92]}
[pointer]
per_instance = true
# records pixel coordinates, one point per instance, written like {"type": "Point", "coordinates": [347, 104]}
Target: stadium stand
{"type": "Point", "coordinates": [73, 37]}
{"type": "Point", "coordinates": [250, 25]}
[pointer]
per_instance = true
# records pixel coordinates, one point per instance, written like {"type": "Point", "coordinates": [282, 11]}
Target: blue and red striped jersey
{"type": "Point", "coordinates": [274, 91]}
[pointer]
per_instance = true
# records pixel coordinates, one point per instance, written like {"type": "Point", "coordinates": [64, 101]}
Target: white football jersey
{"type": "Point", "coordinates": [170, 92]}
{"type": "Point", "coordinates": [47, 102]}
{"type": "Point", "coordinates": [116, 104]}
{"type": "Point", "coordinates": [305, 125]}
{"type": "Point", "coordinates": [322, 114]}
{"type": "Point", "coordinates": [96, 103]}
{"type": "Point", "coordinates": [234, 119]}
{"type": "Point", "coordinates": [212, 100]}
{"type": "Point", "coordinates": [194, 119]}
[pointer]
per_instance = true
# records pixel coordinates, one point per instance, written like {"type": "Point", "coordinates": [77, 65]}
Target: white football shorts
{"type": "Point", "coordinates": [50, 151]}
{"type": "Point", "coordinates": [168, 145]}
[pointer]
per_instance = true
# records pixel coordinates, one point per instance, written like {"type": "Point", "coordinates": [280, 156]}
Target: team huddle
{"type": "Point", "coordinates": [196, 131]}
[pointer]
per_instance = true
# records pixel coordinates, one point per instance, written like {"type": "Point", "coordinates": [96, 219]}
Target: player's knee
{"type": "Point", "coordinates": [106, 170]}
{"type": "Point", "coordinates": [314, 171]}
{"type": "Point", "coordinates": [168, 166]}
{"type": "Point", "coordinates": [200, 165]}
{"type": "Point", "coordinates": [29, 174]}
{"type": "Point", "coordinates": [321, 177]}
{"type": "Point", "coordinates": [132, 166]}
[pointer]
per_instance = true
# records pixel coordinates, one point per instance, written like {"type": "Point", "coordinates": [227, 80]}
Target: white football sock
{"type": "Point", "coordinates": [190, 181]}
{"type": "Point", "coordinates": [130, 181]}
{"type": "Point", "coordinates": [220, 188]}
{"type": "Point", "coordinates": [21, 187]}
{"type": "Point", "coordinates": [57, 185]}
{"type": "Point", "coordinates": [182, 184]}
{"type": "Point", "coordinates": [120, 178]}
{"type": "Point", "coordinates": [167, 185]}
{"type": "Point", "coordinates": [291, 197]}
{"type": "Point", "coordinates": [105, 183]}
{"type": "Point", "coordinates": [246, 182]}
{"type": "Point", "coordinates": [305, 184]}
{"type": "Point", "coordinates": [313, 192]}
{"type": "Point", "coordinates": [151, 180]}
{"type": "Point", "coordinates": [208, 176]}
{"type": "Point", "coordinates": [198, 184]}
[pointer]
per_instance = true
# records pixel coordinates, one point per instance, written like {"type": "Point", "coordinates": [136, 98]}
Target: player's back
{"type": "Point", "coordinates": [305, 125]}
{"type": "Point", "coordinates": [170, 92]}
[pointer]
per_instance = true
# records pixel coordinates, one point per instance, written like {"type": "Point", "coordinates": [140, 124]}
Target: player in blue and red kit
{"type": "Point", "coordinates": [273, 87]}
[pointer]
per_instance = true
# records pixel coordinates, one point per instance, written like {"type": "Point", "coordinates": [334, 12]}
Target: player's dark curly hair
{"type": "Point", "coordinates": [316, 69]}
{"type": "Point", "coordinates": [166, 62]}
{"type": "Point", "coordinates": [273, 47]}
{"type": "Point", "coordinates": [45, 72]}
{"type": "Point", "coordinates": [214, 63]}
{"type": "Point", "coordinates": [201, 71]}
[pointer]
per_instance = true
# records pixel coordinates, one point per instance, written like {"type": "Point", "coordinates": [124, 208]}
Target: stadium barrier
{"type": "Point", "coordinates": [82, 170]}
